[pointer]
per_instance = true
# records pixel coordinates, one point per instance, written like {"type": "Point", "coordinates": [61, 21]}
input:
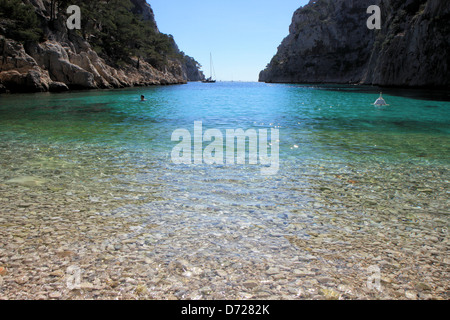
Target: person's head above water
{"type": "Point", "coordinates": [142, 98]}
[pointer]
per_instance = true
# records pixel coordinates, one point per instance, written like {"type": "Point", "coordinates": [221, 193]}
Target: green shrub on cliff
{"type": "Point", "coordinates": [118, 34]}
{"type": "Point", "coordinates": [19, 21]}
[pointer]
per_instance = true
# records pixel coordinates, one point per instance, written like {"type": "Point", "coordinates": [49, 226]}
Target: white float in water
{"type": "Point", "coordinates": [380, 101]}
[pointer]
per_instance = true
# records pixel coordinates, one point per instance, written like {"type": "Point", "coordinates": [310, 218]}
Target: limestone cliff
{"type": "Point", "coordinates": [329, 42]}
{"type": "Point", "coordinates": [65, 59]}
{"type": "Point", "coordinates": [192, 69]}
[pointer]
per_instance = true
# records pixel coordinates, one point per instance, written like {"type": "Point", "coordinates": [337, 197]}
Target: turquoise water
{"type": "Point", "coordinates": [109, 141]}
{"type": "Point", "coordinates": [324, 122]}
{"type": "Point", "coordinates": [356, 183]}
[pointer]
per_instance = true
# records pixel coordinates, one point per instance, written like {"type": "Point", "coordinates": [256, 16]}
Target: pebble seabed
{"type": "Point", "coordinates": [101, 228]}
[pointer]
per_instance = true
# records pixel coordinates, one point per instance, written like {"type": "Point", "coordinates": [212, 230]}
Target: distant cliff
{"type": "Point", "coordinates": [329, 42]}
{"type": "Point", "coordinates": [192, 69]}
{"type": "Point", "coordinates": [118, 45]}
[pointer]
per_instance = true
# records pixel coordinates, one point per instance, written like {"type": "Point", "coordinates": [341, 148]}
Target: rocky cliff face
{"type": "Point", "coordinates": [192, 69]}
{"type": "Point", "coordinates": [144, 9]}
{"type": "Point", "coordinates": [329, 42]}
{"type": "Point", "coordinates": [66, 60]}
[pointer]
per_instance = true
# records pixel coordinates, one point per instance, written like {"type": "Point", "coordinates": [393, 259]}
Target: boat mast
{"type": "Point", "coordinates": [211, 67]}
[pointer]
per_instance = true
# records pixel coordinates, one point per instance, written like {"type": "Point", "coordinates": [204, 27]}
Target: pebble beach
{"type": "Point", "coordinates": [329, 231]}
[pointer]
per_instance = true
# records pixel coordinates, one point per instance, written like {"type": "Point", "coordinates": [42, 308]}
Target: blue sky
{"type": "Point", "coordinates": [242, 35]}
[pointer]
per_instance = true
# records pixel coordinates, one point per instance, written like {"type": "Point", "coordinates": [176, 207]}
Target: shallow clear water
{"type": "Point", "coordinates": [348, 170]}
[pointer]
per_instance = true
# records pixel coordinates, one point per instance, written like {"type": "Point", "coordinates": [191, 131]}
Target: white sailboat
{"type": "Point", "coordinates": [211, 72]}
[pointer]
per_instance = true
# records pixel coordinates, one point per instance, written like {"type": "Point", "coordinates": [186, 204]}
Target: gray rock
{"type": "Point", "coordinates": [411, 295]}
{"type": "Point", "coordinates": [330, 42]}
{"type": "Point", "coordinates": [272, 271]}
{"type": "Point", "coordinates": [250, 284]}
{"type": "Point", "coordinates": [27, 181]}
{"type": "Point", "coordinates": [55, 295]}
{"type": "Point", "coordinates": [56, 86]}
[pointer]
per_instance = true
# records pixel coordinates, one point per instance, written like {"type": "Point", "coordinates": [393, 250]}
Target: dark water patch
{"type": "Point", "coordinates": [73, 109]}
{"type": "Point", "coordinates": [378, 125]}
{"type": "Point", "coordinates": [90, 108]}
{"type": "Point", "coordinates": [414, 93]}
